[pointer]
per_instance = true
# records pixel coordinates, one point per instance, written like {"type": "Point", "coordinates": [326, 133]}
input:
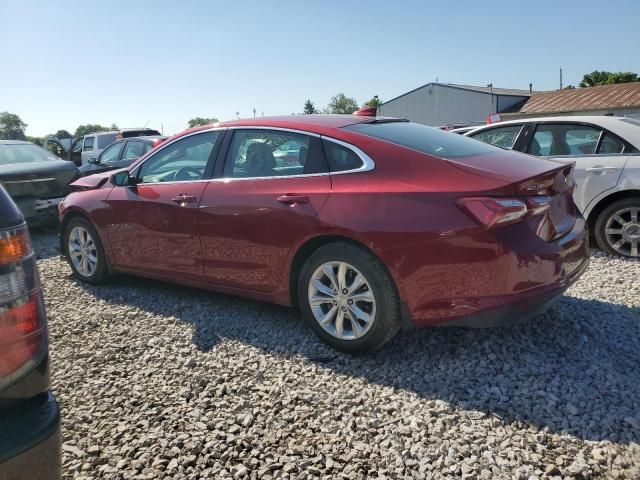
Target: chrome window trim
{"type": "Point", "coordinates": [367, 162]}
{"type": "Point", "coordinates": [134, 172]}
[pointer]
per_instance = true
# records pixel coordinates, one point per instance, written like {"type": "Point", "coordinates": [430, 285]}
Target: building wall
{"type": "Point", "coordinates": [617, 112]}
{"type": "Point", "coordinates": [436, 105]}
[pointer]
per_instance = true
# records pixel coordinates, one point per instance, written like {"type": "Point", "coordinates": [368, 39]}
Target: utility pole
{"type": "Point", "coordinates": [560, 78]}
{"type": "Point", "coordinates": [254, 113]}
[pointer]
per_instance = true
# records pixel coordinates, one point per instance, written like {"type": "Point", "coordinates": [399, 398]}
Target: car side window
{"type": "Point", "coordinates": [504, 137]}
{"type": "Point", "coordinates": [182, 160]}
{"type": "Point", "coordinates": [88, 144]}
{"type": "Point", "coordinates": [564, 139]}
{"type": "Point", "coordinates": [273, 153]}
{"type": "Point", "coordinates": [341, 159]}
{"type": "Point", "coordinates": [610, 145]}
{"type": "Point", "coordinates": [111, 154]}
{"type": "Point", "coordinates": [134, 149]}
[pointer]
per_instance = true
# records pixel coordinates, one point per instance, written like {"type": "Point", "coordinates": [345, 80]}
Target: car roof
{"type": "Point", "coordinates": [311, 123]}
{"type": "Point", "coordinates": [627, 128]}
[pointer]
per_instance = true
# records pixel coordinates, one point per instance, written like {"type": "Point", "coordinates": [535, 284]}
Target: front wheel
{"type": "Point", "coordinates": [617, 228]}
{"type": "Point", "coordinates": [84, 251]}
{"type": "Point", "coordinates": [348, 298]}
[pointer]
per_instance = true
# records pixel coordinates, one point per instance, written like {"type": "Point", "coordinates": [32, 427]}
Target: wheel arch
{"type": "Point", "coordinates": [69, 215]}
{"type": "Point", "coordinates": [603, 203]}
{"type": "Point", "coordinates": [305, 250]}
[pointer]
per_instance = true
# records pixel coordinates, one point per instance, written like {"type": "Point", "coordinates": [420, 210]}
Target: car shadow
{"type": "Point", "coordinates": [564, 367]}
{"type": "Point", "coordinates": [41, 239]}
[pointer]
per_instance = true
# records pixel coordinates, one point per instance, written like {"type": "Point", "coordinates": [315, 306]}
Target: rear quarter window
{"type": "Point", "coordinates": [429, 140]}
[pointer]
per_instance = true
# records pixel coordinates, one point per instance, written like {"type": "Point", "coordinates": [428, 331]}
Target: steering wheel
{"type": "Point", "coordinates": [187, 173]}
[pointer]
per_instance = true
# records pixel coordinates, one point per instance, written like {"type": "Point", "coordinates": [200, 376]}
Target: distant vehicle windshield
{"type": "Point", "coordinates": [24, 153]}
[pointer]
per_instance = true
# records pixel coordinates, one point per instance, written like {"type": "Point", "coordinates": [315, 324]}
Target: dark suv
{"type": "Point", "coordinates": [29, 414]}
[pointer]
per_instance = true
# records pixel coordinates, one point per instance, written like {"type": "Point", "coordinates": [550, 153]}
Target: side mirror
{"type": "Point", "coordinates": [93, 161]}
{"type": "Point", "coordinates": [122, 179]}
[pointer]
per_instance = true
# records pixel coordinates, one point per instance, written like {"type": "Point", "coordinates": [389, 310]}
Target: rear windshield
{"type": "Point", "coordinates": [429, 140]}
{"type": "Point", "coordinates": [104, 140]}
{"type": "Point", "coordinates": [24, 153]}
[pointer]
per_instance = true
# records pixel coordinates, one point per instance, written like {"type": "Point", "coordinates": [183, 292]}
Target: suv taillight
{"type": "Point", "coordinates": [492, 212]}
{"type": "Point", "coordinates": [23, 330]}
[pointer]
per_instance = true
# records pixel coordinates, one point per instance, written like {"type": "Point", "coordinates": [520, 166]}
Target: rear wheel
{"type": "Point", "coordinates": [84, 251]}
{"type": "Point", "coordinates": [617, 228]}
{"type": "Point", "coordinates": [348, 298]}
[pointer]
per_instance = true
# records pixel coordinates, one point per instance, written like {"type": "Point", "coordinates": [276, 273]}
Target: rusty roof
{"type": "Point", "coordinates": [604, 97]}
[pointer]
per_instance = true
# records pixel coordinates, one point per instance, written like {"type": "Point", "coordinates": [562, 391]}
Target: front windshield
{"type": "Point", "coordinates": [24, 153]}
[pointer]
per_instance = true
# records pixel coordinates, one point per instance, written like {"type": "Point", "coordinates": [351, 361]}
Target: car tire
{"type": "Point", "coordinates": [82, 242]}
{"type": "Point", "coordinates": [370, 311]}
{"type": "Point", "coordinates": [610, 231]}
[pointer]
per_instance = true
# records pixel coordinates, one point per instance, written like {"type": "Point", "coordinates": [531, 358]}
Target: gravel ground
{"type": "Point", "coordinates": [161, 381]}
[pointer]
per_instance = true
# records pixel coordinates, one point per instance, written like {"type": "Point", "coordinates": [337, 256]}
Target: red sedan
{"type": "Point", "coordinates": [377, 223]}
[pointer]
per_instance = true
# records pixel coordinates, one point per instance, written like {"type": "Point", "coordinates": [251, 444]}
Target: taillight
{"type": "Point", "coordinates": [492, 212]}
{"type": "Point", "coordinates": [23, 333]}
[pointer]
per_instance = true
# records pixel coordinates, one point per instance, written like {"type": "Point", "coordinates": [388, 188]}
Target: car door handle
{"type": "Point", "coordinates": [602, 169]}
{"type": "Point", "coordinates": [292, 199]}
{"type": "Point", "coordinates": [183, 199]}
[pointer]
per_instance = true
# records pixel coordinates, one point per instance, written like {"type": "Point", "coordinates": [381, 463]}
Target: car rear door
{"type": "Point", "coordinates": [270, 188]}
{"type": "Point", "coordinates": [598, 155]}
{"type": "Point", "coordinates": [153, 224]}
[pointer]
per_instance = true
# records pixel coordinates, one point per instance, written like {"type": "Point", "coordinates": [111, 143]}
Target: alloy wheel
{"type": "Point", "coordinates": [622, 231]}
{"type": "Point", "coordinates": [341, 300]}
{"type": "Point", "coordinates": [82, 251]}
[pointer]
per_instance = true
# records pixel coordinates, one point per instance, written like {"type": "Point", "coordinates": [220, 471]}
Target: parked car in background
{"type": "Point", "coordinates": [93, 144]}
{"type": "Point", "coordinates": [120, 154]}
{"type": "Point", "coordinates": [29, 414]}
{"type": "Point", "coordinates": [36, 179]}
{"type": "Point", "coordinates": [463, 130]}
{"type": "Point", "coordinates": [606, 152]}
{"type": "Point", "coordinates": [371, 226]}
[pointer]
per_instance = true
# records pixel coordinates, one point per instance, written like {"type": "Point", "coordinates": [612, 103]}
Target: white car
{"type": "Point", "coordinates": [606, 152]}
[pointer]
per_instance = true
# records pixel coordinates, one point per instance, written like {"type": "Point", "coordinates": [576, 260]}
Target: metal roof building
{"type": "Point", "coordinates": [622, 99]}
{"type": "Point", "coordinates": [438, 104]}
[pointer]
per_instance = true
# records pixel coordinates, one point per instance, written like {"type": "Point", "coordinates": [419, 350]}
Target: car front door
{"type": "Point", "coordinates": [265, 199]}
{"type": "Point", "coordinates": [153, 224]}
{"type": "Point", "coordinates": [598, 155]}
{"type": "Point", "coordinates": [109, 157]}
{"type": "Point", "coordinates": [502, 136]}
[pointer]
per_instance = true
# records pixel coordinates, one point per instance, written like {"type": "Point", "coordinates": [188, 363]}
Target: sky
{"type": "Point", "coordinates": [160, 63]}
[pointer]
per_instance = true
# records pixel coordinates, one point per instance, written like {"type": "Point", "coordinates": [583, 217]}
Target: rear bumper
{"type": "Point", "coordinates": [39, 212]}
{"type": "Point", "coordinates": [30, 441]}
{"type": "Point", "coordinates": [512, 276]}
{"type": "Point", "coordinates": [521, 308]}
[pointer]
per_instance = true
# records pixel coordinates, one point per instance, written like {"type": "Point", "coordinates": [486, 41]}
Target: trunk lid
{"type": "Point", "coordinates": [505, 165]}
{"type": "Point", "coordinates": [40, 180]}
{"type": "Point", "coordinates": [534, 180]}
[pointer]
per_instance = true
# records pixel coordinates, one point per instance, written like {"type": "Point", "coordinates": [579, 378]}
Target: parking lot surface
{"type": "Point", "coordinates": [162, 381]}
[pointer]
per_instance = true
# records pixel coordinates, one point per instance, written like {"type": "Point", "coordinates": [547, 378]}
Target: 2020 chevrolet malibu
{"type": "Point", "coordinates": [373, 223]}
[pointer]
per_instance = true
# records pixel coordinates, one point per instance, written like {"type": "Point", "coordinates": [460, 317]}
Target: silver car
{"type": "Point", "coordinates": [606, 152]}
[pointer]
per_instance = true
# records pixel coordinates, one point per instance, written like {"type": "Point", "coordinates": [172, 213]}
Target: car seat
{"type": "Point", "coordinates": [260, 160]}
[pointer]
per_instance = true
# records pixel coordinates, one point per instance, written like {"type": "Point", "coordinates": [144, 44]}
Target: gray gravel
{"type": "Point", "coordinates": [161, 381]}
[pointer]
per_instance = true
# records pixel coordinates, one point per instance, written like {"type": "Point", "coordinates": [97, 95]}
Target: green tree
{"type": "Point", "coordinates": [622, 77]}
{"type": "Point", "coordinates": [83, 130]}
{"type": "Point", "coordinates": [340, 103]}
{"type": "Point", "coordinates": [309, 108]}
{"type": "Point", "coordinates": [62, 134]}
{"type": "Point", "coordinates": [36, 140]}
{"type": "Point", "coordinates": [373, 102]}
{"type": "Point", "coordinates": [199, 121]}
{"type": "Point", "coordinates": [597, 77]}
{"type": "Point", "coordinates": [11, 127]}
